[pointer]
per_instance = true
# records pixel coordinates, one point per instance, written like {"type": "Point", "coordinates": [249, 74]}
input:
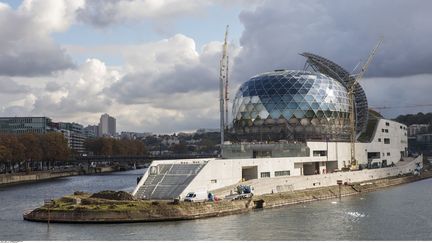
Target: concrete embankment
{"type": "Point", "coordinates": [9, 179]}
{"type": "Point", "coordinates": [323, 193]}
{"type": "Point", "coordinates": [85, 209]}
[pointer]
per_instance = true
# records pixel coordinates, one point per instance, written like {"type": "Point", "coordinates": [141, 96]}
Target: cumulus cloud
{"type": "Point", "coordinates": [26, 47]}
{"type": "Point", "coordinates": [81, 90]}
{"type": "Point", "coordinates": [166, 68]}
{"type": "Point", "coordinates": [106, 12]}
{"type": "Point", "coordinates": [9, 86]}
{"type": "Point", "coordinates": [343, 31]}
{"type": "Point", "coordinates": [102, 13]}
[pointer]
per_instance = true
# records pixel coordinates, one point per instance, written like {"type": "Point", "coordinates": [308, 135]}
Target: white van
{"type": "Point", "coordinates": [199, 196]}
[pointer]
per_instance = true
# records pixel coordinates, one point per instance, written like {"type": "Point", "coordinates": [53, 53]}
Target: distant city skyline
{"type": "Point", "coordinates": [153, 65]}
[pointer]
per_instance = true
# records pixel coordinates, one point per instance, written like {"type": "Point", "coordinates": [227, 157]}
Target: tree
{"type": "Point", "coordinates": [179, 148]}
{"type": "Point", "coordinates": [54, 147]}
{"type": "Point", "coordinates": [15, 150]}
{"type": "Point", "coordinates": [32, 147]}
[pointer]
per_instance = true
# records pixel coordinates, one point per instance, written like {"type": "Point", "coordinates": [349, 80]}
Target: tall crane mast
{"type": "Point", "coordinates": [226, 62]}
{"type": "Point", "coordinates": [223, 93]}
{"type": "Point", "coordinates": [356, 79]}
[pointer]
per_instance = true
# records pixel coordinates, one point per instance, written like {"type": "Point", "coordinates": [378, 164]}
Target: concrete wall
{"type": "Point", "coordinates": [9, 179]}
{"type": "Point", "coordinates": [281, 184]}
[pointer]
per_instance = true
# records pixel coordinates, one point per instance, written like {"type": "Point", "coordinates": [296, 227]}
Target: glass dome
{"type": "Point", "coordinates": [291, 105]}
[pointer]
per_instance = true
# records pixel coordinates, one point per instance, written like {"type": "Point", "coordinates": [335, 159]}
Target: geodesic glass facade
{"type": "Point", "coordinates": [291, 105]}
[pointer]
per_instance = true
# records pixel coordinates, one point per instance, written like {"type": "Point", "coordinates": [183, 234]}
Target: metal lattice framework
{"type": "Point", "coordinates": [323, 65]}
{"type": "Point", "coordinates": [293, 105]}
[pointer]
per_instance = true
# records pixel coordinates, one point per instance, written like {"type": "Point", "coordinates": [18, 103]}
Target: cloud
{"type": "Point", "coordinates": [102, 13]}
{"type": "Point", "coordinates": [80, 90]}
{"type": "Point", "coordinates": [167, 68]}
{"type": "Point", "coordinates": [9, 86]}
{"type": "Point", "coordinates": [397, 96]}
{"type": "Point", "coordinates": [26, 47]}
{"type": "Point", "coordinates": [343, 31]}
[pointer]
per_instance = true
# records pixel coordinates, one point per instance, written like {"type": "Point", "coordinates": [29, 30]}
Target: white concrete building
{"type": "Point", "coordinates": [291, 130]}
{"type": "Point", "coordinates": [388, 145]}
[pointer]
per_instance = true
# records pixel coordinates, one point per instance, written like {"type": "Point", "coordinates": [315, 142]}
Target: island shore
{"type": "Point", "coordinates": [86, 208]}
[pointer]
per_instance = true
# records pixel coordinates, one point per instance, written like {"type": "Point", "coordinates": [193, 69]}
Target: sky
{"type": "Point", "coordinates": [154, 64]}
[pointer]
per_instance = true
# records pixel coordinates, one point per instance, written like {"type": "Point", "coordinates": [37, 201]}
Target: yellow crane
{"type": "Point", "coordinates": [356, 79]}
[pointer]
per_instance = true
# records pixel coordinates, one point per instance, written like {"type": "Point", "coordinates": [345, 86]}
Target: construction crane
{"type": "Point", "coordinates": [356, 79]}
{"type": "Point", "coordinates": [225, 50]}
{"type": "Point", "coordinates": [223, 93]}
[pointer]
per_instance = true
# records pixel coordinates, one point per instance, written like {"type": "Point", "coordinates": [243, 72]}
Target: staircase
{"type": "Point", "coordinates": [170, 181]}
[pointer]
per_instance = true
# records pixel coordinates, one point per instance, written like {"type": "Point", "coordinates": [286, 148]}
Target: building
{"type": "Point", "coordinates": [291, 130]}
{"type": "Point", "coordinates": [170, 140]}
{"type": "Point", "coordinates": [415, 129]}
{"type": "Point", "coordinates": [135, 135]}
{"type": "Point", "coordinates": [20, 125]}
{"type": "Point", "coordinates": [91, 131]}
{"type": "Point", "coordinates": [107, 126]}
{"type": "Point", "coordinates": [74, 133]}
{"type": "Point", "coordinates": [291, 105]}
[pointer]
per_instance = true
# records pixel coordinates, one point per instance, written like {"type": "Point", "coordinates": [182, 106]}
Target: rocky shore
{"type": "Point", "coordinates": [121, 207]}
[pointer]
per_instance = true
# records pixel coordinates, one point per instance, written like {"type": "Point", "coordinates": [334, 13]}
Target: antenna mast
{"type": "Point", "coordinates": [223, 93]}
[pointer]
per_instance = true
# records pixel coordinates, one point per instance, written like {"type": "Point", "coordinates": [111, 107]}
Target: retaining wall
{"type": "Point", "coordinates": [293, 183]}
{"type": "Point", "coordinates": [34, 176]}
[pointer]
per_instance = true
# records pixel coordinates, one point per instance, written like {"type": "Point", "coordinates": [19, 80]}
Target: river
{"type": "Point", "coordinates": [398, 213]}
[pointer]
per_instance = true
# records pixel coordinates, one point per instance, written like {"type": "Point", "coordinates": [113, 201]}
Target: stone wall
{"type": "Point", "coordinates": [34, 176]}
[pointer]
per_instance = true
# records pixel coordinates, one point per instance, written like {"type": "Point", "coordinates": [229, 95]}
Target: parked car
{"type": "Point", "coordinates": [199, 196]}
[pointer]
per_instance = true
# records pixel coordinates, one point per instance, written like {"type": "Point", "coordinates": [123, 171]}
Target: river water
{"type": "Point", "coordinates": [398, 213]}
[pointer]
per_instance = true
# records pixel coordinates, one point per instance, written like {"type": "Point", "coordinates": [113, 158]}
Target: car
{"type": "Point", "coordinates": [199, 196]}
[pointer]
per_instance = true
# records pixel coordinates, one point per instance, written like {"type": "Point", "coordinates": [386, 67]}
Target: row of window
{"type": "Point", "coordinates": [386, 140]}
{"type": "Point", "coordinates": [276, 173]}
{"type": "Point", "coordinates": [319, 153]}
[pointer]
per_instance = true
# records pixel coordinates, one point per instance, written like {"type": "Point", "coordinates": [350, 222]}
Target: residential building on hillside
{"type": "Point", "coordinates": [415, 129]}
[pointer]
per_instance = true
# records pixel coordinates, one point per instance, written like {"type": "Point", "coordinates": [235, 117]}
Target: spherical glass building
{"type": "Point", "coordinates": [291, 105]}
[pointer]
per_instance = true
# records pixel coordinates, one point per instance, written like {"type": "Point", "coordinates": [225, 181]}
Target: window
{"type": "Point", "coordinates": [386, 140]}
{"type": "Point", "coordinates": [319, 153]}
{"type": "Point", "coordinates": [386, 130]}
{"type": "Point", "coordinates": [282, 173]}
{"type": "Point", "coordinates": [265, 174]}
{"type": "Point", "coordinates": [379, 139]}
{"type": "Point", "coordinates": [387, 124]}
{"type": "Point", "coordinates": [388, 154]}
{"type": "Point", "coordinates": [382, 130]}
{"type": "Point", "coordinates": [213, 181]}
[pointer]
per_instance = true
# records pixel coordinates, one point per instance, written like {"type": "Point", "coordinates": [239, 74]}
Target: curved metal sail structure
{"type": "Point", "coordinates": [327, 67]}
